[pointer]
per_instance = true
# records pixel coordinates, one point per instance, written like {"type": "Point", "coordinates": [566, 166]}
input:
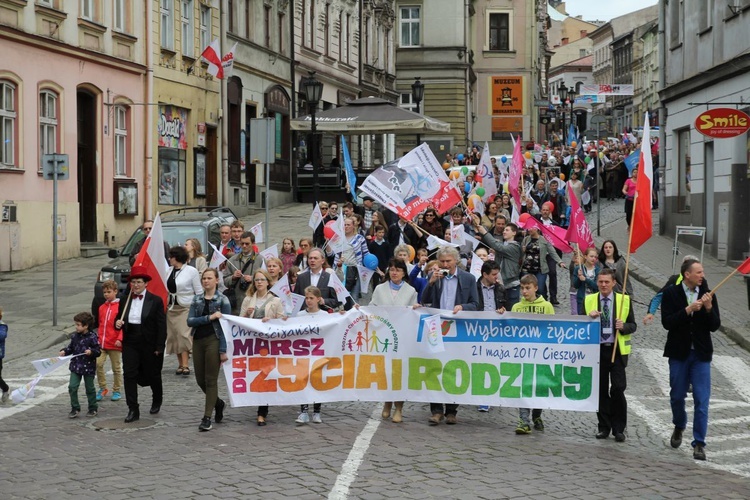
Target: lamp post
{"type": "Point", "coordinates": [313, 92]}
{"type": "Point", "coordinates": [417, 94]}
{"type": "Point", "coordinates": [572, 97]}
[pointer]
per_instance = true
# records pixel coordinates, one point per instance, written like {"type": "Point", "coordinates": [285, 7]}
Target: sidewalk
{"type": "Point", "coordinates": [652, 266]}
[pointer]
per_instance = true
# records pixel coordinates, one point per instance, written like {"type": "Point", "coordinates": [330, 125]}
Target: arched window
{"type": "Point", "coordinates": [48, 123]}
{"type": "Point", "coordinates": [8, 123]}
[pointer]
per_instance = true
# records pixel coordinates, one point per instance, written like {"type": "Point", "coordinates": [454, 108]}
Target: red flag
{"type": "Point", "coordinates": [554, 234]}
{"type": "Point", "coordinates": [151, 257]}
{"type": "Point", "coordinates": [516, 170]}
{"type": "Point", "coordinates": [643, 228]}
{"type": "Point", "coordinates": [212, 55]}
{"type": "Point", "coordinates": [578, 230]}
{"type": "Point", "coordinates": [744, 267]}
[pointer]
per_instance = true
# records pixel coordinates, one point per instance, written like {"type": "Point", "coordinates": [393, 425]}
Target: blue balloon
{"type": "Point", "coordinates": [467, 187]}
{"type": "Point", "coordinates": [504, 159]}
{"type": "Point", "coordinates": [370, 262]}
{"type": "Point", "coordinates": [460, 157]}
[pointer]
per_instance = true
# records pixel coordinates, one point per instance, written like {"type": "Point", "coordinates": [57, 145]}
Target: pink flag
{"type": "Point", "coordinates": [553, 234]}
{"type": "Point", "coordinates": [516, 170]}
{"type": "Point", "coordinates": [579, 230]}
{"type": "Point", "coordinates": [212, 55]}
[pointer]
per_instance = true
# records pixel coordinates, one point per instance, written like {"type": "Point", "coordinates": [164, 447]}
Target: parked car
{"type": "Point", "coordinates": [177, 225]}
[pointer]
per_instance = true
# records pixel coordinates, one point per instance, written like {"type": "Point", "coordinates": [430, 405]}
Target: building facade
{"type": "Point", "coordinates": [73, 79]}
{"type": "Point", "coordinates": [184, 108]}
{"type": "Point", "coordinates": [707, 181]}
{"type": "Point", "coordinates": [434, 46]}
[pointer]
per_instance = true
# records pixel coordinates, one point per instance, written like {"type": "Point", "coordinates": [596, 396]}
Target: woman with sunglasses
{"type": "Point", "coordinates": [431, 223]}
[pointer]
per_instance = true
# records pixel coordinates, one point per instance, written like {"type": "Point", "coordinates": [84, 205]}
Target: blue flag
{"type": "Point", "coordinates": [351, 177]}
{"type": "Point", "coordinates": [632, 161]}
{"type": "Point", "coordinates": [571, 134]}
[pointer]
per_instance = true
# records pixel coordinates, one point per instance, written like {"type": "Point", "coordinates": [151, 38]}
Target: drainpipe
{"type": "Point", "coordinates": [293, 102]}
{"type": "Point", "coordinates": [149, 98]}
{"type": "Point", "coordinates": [662, 195]}
{"type": "Point", "coordinates": [469, 124]}
{"type": "Point", "coordinates": [222, 121]}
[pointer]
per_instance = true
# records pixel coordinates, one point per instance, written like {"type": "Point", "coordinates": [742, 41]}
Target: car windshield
{"type": "Point", "coordinates": [173, 235]}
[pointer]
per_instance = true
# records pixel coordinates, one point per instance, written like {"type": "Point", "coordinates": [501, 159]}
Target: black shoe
{"type": "Point", "coordinates": [698, 452]}
{"type": "Point", "coordinates": [554, 302]}
{"type": "Point", "coordinates": [676, 440]}
{"type": "Point", "coordinates": [92, 413]}
{"type": "Point", "coordinates": [73, 413]}
{"type": "Point", "coordinates": [219, 409]}
{"type": "Point", "coordinates": [154, 409]}
{"type": "Point", "coordinates": [133, 415]}
{"type": "Point", "coordinates": [205, 424]}
{"type": "Point", "coordinates": [602, 435]}
{"type": "Point", "coordinates": [620, 437]}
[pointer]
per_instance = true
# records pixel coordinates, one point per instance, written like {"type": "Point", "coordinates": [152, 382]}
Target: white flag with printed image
{"type": "Point", "coordinates": [269, 252]}
{"type": "Point", "coordinates": [217, 258]}
{"type": "Point", "coordinates": [458, 236]}
{"type": "Point", "coordinates": [316, 217]}
{"type": "Point", "coordinates": [257, 230]}
{"type": "Point", "coordinates": [434, 242]}
{"type": "Point", "coordinates": [365, 275]}
{"type": "Point", "coordinates": [341, 292]}
{"type": "Point", "coordinates": [283, 290]}
{"type": "Point", "coordinates": [476, 266]}
{"type": "Point", "coordinates": [48, 365]}
{"type": "Point", "coordinates": [433, 333]}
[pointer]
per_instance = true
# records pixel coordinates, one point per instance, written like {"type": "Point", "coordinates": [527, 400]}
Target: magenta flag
{"type": "Point", "coordinates": [578, 231]}
{"type": "Point", "coordinates": [553, 234]}
{"type": "Point", "coordinates": [516, 170]}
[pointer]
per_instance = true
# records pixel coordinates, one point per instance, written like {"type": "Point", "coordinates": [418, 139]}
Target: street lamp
{"type": "Point", "coordinates": [417, 94]}
{"type": "Point", "coordinates": [572, 96]}
{"type": "Point", "coordinates": [563, 91]}
{"type": "Point", "coordinates": [313, 92]}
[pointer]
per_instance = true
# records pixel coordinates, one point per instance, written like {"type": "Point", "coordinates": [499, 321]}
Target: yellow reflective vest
{"type": "Point", "coordinates": [591, 303]}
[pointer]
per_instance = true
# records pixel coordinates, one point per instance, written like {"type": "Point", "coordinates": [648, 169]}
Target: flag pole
{"type": "Point", "coordinates": [735, 271]}
{"type": "Point", "coordinates": [127, 303]}
{"type": "Point", "coordinates": [625, 279]}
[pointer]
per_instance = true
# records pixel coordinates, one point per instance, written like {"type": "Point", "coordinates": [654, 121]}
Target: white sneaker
{"type": "Point", "coordinates": [304, 418]}
{"type": "Point", "coordinates": [316, 418]}
{"type": "Point", "coordinates": [6, 395]}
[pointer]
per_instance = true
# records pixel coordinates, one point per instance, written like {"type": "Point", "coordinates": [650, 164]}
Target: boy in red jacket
{"type": "Point", "coordinates": [111, 342]}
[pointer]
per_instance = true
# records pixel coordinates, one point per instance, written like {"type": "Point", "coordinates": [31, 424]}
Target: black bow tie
{"type": "Point", "coordinates": [138, 296]}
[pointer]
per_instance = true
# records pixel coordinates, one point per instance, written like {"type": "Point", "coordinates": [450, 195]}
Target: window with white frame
{"type": "Point", "coordinates": [407, 102]}
{"type": "Point", "coordinates": [118, 13]}
{"type": "Point", "coordinates": [47, 3]}
{"type": "Point", "coordinates": [121, 141]}
{"type": "Point", "coordinates": [205, 26]}
{"type": "Point", "coordinates": [7, 124]}
{"type": "Point", "coordinates": [48, 123]}
{"type": "Point", "coordinates": [410, 26]}
{"type": "Point", "coordinates": [186, 21]}
{"type": "Point", "coordinates": [498, 31]}
{"type": "Point", "coordinates": [87, 9]}
{"type": "Point", "coordinates": [167, 24]}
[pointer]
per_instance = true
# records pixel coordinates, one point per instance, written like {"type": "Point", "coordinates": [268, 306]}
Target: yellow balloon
{"type": "Point", "coordinates": [573, 144]}
{"type": "Point", "coordinates": [412, 252]}
{"type": "Point", "coordinates": [454, 175]}
{"type": "Point", "coordinates": [562, 177]}
{"type": "Point", "coordinates": [527, 154]}
{"type": "Point", "coordinates": [446, 165]}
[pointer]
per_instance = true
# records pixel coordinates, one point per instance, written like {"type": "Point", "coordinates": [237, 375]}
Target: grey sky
{"type": "Point", "coordinates": [601, 10]}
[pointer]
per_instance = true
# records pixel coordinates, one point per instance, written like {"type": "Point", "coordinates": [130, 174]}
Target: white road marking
{"type": "Point", "coordinates": [349, 469]}
{"type": "Point", "coordinates": [657, 365]}
{"type": "Point", "coordinates": [728, 421]}
{"type": "Point", "coordinates": [736, 372]}
{"type": "Point", "coordinates": [47, 394]}
{"type": "Point", "coordinates": [731, 453]}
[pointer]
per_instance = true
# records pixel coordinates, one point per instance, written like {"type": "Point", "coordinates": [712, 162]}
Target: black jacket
{"type": "Point", "coordinates": [499, 296]}
{"type": "Point", "coordinates": [684, 330]}
{"type": "Point", "coordinates": [328, 293]}
{"type": "Point", "coordinates": [153, 321]}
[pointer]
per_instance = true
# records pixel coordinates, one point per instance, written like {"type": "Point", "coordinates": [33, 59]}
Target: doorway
{"type": "Point", "coordinates": [87, 178]}
{"type": "Point", "coordinates": [212, 187]}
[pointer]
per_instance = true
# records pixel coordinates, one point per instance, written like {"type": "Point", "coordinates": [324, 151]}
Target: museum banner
{"type": "Point", "coordinates": [393, 354]}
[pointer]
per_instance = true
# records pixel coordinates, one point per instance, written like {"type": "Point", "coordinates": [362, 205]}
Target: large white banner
{"type": "Point", "coordinates": [606, 89]}
{"type": "Point", "coordinates": [385, 354]}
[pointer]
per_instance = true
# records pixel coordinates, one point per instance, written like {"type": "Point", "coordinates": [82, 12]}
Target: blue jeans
{"type": "Point", "coordinates": [541, 280]}
{"type": "Point", "coordinates": [512, 297]}
{"type": "Point", "coordinates": [696, 372]}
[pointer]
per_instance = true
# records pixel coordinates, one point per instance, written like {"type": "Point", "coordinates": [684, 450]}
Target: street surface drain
{"type": "Point", "coordinates": [118, 424]}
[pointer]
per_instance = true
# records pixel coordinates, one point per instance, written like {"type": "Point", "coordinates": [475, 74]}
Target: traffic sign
{"type": "Point", "coordinates": [55, 161]}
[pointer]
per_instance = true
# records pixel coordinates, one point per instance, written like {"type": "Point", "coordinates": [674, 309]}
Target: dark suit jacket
{"type": "Point", "coordinates": [153, 321]}
{"type": "Point", "coordinates": [466, 292]}
{"type": "Point", "coordinates": [684, 330]}
{"type": "Point", "coordinates": [499, 296]}
{"type": "Point", "coordinates": [328, 293]}
{"type": "Point", "coordinates": [394, 233]}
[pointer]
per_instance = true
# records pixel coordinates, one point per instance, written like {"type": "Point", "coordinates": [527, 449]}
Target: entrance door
{"type": "Point", "coordinates": [87, 179]}
{"type": "Point", "coordinates": [212, 167]}
{"type": "Point", "coordinates": [251, 176]}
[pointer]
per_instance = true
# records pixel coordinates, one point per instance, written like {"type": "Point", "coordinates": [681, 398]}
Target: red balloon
{"type": "Point", "coordinates": [523, 218]}
{"type": "Point", "coordinates": [328, 229]}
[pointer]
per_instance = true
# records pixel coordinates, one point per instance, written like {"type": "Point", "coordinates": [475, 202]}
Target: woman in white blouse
{"type": "Point", "coordinates": [394, 292]}
{"type": "Point", "coordinates": [183, 284]}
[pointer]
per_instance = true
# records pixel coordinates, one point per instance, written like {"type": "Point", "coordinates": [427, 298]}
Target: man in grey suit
{"type": "Point", "coordinates": [315, 275]}
{"type": "Point", "coordinates": [452, 289]}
